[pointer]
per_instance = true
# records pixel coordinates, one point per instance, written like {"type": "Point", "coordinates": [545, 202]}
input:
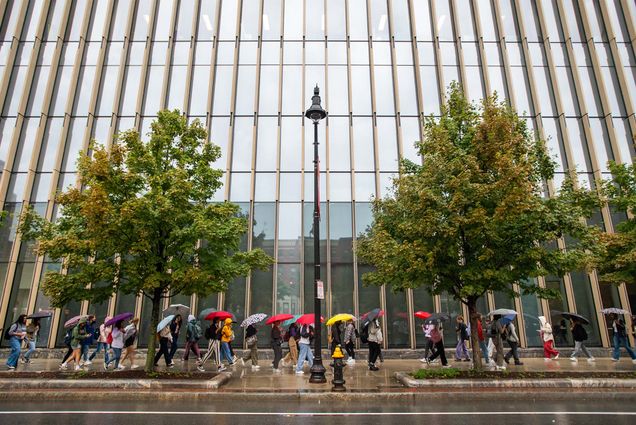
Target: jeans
{"type": "Point", "coordinates": [174, 346]}
{"type": "Point", "coordinates": [622, 341]}
{"type": "Point", "coordinates": [429, 346]}
{"type": "Point", "coordinates": [439, 351]}
{"type": "Point", "coordinates": [163, 351]}
{"type": "Point", "coordinates": [513, 352]}
{"type": "Point", "coordinates": [484, 350]}
{"type": "Point", "coordinates": [225, 353]}
{"type": "Point", "coordinates": [461, 351]}
{"type": "Point", "coordinates": [580, 347]}
{"type": "Point", "coordinates": [31, 350]}
{"type": "Point", "coordinates": [100, 346]}
{"type": "Point", "coordinates": [117, 354]}
{"type": "Point", "coordinates": [278, 352]}
{"type": "Point", "coordinates": [192, 346]}
{"type": "Point", "coordinates": [304, 354]}
{"type": "Point", "coordinates": [374, 351]}
{"type": "Point", "coordinates": [16, 345]}
{"type": "Point", "coordinates": [85, 349]}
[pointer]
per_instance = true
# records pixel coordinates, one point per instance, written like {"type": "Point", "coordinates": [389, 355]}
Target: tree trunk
{"type": "Point", "coordinates": [152, 335]}
{"type": "Point", "coordinates": [474, 337]}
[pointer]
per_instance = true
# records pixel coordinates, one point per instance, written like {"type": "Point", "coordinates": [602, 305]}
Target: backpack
{"type": "Point", "coordinates": [7, 335]}
{"type": "Point", "coordinates": [68, 337]}
{"type": "Point", "coordinates": [492, 330]}
{"type": "Point", "coordinates": [364, 335]}
{"type": "Point", "coordinates": [196, 331]}
{"type": "Point", "coordinates": [356, 333]}
{"type": "Point", "coordinates": [583, 333]}
{"type": "Point", "coordinates": [209, 333]}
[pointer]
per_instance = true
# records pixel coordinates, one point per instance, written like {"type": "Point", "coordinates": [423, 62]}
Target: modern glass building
{"type": "Point", "coordinates": [76, 70]}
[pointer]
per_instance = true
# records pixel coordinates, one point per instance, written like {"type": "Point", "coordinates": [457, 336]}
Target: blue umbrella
{"type": "Point", "coordinates": [165, 322]}
{"type": "Point", "coordinates": [290, 321]}
{"type": "Point", "coordinates": [507, 319]}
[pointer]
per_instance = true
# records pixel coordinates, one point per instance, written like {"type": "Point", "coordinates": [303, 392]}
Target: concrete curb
{"type": "Point", "coordinates": [115, 384]}
{"type": "Point", "coordinates": [467, 384]}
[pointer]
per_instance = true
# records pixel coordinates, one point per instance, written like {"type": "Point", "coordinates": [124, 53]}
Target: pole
{"type": "Point", "coordinates": [317, 370]}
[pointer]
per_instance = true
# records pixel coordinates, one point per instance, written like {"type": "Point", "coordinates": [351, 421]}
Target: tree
{"type": "Point", "coordinates": [616, 262]}
{"type": "Point", "coordinates": [473, 217]}
{"type": "Point", "coordinates": [143, 222]}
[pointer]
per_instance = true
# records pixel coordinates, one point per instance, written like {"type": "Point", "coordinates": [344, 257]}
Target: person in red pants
{"type": "Point", "coordinates": [548, 340]}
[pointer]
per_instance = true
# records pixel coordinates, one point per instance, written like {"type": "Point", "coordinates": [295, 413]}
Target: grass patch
{"type": "Point", "coordinates": [436, 374]}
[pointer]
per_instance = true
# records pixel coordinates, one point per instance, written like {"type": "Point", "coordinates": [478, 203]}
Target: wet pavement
{"type": "Point", "coordinates": [581, 410]}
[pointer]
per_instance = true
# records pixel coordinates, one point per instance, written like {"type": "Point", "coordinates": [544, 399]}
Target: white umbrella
{"type": "Point", "coordinates": [182, 310]}
{"type": "Point", "coordinates": [253, 319]}
{"type": "Point", "coordinates": [502, 312]}
{"type": "Point", "coordinates": [614, 310]}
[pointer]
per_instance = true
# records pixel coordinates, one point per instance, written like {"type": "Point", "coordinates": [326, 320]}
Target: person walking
{"type": "Point", "coordinates": [306, 336]}
{"type": "Point", "coordinates": [68, 337]}
{"type": "Point", "coordinates": [580, 336]}
{"type": "Point", "coordinates": [79, 334]}
{"type": "Point", "coordinates": [375, 340]}
{"type": "Point", "coordinates": [513, 342]}
{"type": "Point", "coordinates": [438, 341]}
{"type": "Point", "coordinates": [17, 332]}
{"type": "Point", "coordinates": [429, 346]}
{"type": "Point", "coordinates": [276, 342]}
{"type": "Point", "coordinates": [31, 339]}
{"type": "Point", "coordinates": [175, 329]}
{"type": "Point", "coordinates": [497, 334]}
{"type": "Point", "coordinates": [88, 341]}
{"type": "Point", "coordinates": [117, 345]}
{"type": "Point", "coordinates": [350, 336]}
{"type": "Point", "coordinates": [165, 338]}
{"type": "Point", "coordinates": [336, 336]}
{"type": "Point", "coordinates": [620, 340]}
{"type": "Point", "coordinates": [193, 334]}
{"type": "Point", "coordinates": [483, 347]}
{"type": "Point", "coordinates": [102, 341]}
{"type": "Point", "coordinates": [226, 336]}
{"type": "Point", "coordinates": [251, 340]}
{"type": "Point", "coordinates": [548, 340]}
{"type": "Point", "coordinates": [461, 352]}
{"type": "Point", "coordinates": [213, 347]}
{"type": "Point", "coordinates": [130, 350]}
{"type": "Point", "coordinates": [292, 357]}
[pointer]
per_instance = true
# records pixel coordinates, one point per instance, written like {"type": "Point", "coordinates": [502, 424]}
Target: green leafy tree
{"type": "Point", "coordinates": [616, 262]}
{"type": "Point", "coordinates": [143, 222]}
{"type": "Point", "coordinates": [473, 217]}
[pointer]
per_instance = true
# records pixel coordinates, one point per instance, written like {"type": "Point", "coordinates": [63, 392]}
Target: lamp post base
{"type": "Point", "coordinates": [317, 374]}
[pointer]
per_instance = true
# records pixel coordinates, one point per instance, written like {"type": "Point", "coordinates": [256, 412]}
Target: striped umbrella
{"type": "Point", "coordinates": [253, 319]}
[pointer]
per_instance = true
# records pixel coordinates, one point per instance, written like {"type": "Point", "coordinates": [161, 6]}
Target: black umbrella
{"type": "Point", "coordinates": [40, 314]}
{"type": "Point", "coordinates": [437, 317]}
{"type": "Point", "coordinates": [575, 316]}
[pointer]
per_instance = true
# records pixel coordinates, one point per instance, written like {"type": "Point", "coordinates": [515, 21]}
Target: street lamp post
{"type": "Point", "coordinates": [316, 113]}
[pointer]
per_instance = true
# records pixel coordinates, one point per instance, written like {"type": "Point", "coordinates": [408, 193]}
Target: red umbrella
{"type": "Point", "coordinates": [308, 319]}
{"type": "Point", "coordinates": [221, 315]}
{"type": "Point", "coordinates": [279, 318]}
{"type": "Point", "coordinates": [422, 314]}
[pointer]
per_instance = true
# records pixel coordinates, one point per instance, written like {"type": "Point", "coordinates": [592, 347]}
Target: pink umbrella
{"type": "Point", "coordinates": [74, 320]}
{"type": "Point", "coordinates": [279, 318]}
{"type": "Point", "coordinates": [308, 319]}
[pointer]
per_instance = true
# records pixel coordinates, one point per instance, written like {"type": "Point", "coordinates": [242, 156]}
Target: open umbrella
{"type": "Point", "coordinates": [308, 319]}
{"type": "Point", "coordinates": [43, 314]}
{"type": "Point", "coordinates": [164, 322]}
{"type": "Point", "coordinates": [507, 319]}
{"type": "Point", "coordinates": [180, 309]}
{"type": "Point", "coordinates": [279, 318]}
{"type": "Point", "coordinates": [253, 319]}
{"type": "Point", "coordinates": [437, 317]}
{"type": "Point", "coordinates": [342, 317]}
{"type": "Point", "coordinates": [205, 312]}
{"type": "Point", "coordinates": [221, 315]}
{"type": "Point", "coordinates": [614, 310]}
{"type": "Point", "coordinates": [575, 316]}
{"type": "Point", "coordinates": [288, 322]}
{"type": "Point", "coordinates": [372, 315]}
{"type": "Point", "coordinates": [117, 318]}
{"type": "Point", "coordinates": [74, 320]}
{"type": "Point", "coordinates": [502, 312]}
{"type": "Point", "coordinates": [422, 314]}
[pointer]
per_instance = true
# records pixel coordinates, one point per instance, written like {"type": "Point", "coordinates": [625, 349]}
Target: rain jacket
{"type": "Point", "coordinates": [546, 329]}
{"type": "Point", "coordinates": [512, 333]}
{"type": "Point", "coordinates": [118, 338]}
{"type": "Point", "coordinates": [226, 333]}
{"type": "Point", "coordinates": [78, 335]}
{"type": "Point", "coordinates": [104, 331]}
{"type": "Point", "coordinates": [375, 333]}
{"type": "Point", "coordinates": [90, 331]}
{"type": "Point", "coordinates": [350, 333]}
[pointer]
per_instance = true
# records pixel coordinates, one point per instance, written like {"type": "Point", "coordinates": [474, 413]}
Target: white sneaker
{"type": "Point", "coordinates": [257, 367]}
{"type": "Point", "coordinates": [424, 360]}
{"type": "Point", "coordinates": [276, 370]}
{"type": "Point", "coordinates": [135, 366]}
{"type": "Point", "coordinates": [222, 368]}
{"type": "Point", "coordinates": [300, 372]}
{"type": "Point", "coordinates": [63, 366]}
{"type": "Point", "coordinates": [88, 362]}
{"type": "Point", "coordinates": [556, 357]}
{"type": "Point", "coordinates": [591, 360]}
{"type": "Point", "coordinates": [81, 364]}
{"type": "Point", "coordinates": [574, 359]}
{"type": "Point", "coordinates": [200, 368]}
{"type": "Point", "coordinates": [501, 367]}
{"type": "Point", "coordinates": [614, 360]}
{"type": "Point", "coordinates": [121, 367]}
{"type": "Point", "coordinates": [546, 359]}
{"type": "Point", "coordinates": [77, 367]}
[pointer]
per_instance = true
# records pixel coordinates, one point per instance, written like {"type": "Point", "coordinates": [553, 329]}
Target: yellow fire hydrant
{"type": "Point", "coordinates": [338, 365]}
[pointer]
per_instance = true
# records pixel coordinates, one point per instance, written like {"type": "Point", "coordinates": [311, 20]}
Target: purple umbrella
{"type": "Point", "coordinates": [119, 317]}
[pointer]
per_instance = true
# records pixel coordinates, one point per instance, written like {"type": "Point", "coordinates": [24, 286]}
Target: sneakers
{"type": "Point", "coordinates": [614, 360]}
{"type": "Point", "coordinates": [373, 367]}
{"type": "Point", "coordinates": [547, 359]}
{"type": "Point", "coordinates": [171, 363]}
{"type": "Point", "coordinates": [63, 366]}
{"type": "Point", "coordinates": [77, 367]}
{"type": "Point", "coordinates": [222, 368]}
{"type": "Point", "coordinates": [135, 366]}
{"type": "Point", "coordinates": [200, 368]}
{"type": "Point", "coordinates": [10, 367]}
{"type": "Point", "coordinates": [276, 370]}
{"type": "Point", "coordinates": [447, 366]}
{"type": "Point", "coordinates": [88, 362]}
{"type": "Point", "coordinates": [300, 372]}
{"type": "Point", "coordinates": [23, 360]}
{"type": "Point", "coordinates": [121, 367]}
{"type": "Point", "coordinates": [507, 360]}
{"type": "Point", "coordinates": [574, 359]}
{"type": "Point", "coordinates": [256, 367]}
{"type": "Point", "coordinates": [170, 366]}
{"type": "Point", "coordinates": [106, 366]}
{"type": "Point", "coordinates": [501, 367]}
{"type": "Point", "coordinates": [556, 357]}
{"type": "Point", "coordinates": [591, 360]}
{"type": "Point", "coordinates": [518, 363]}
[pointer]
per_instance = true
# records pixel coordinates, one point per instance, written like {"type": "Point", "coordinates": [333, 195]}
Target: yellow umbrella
{"type": "Point", "coordinates": [342, 317]}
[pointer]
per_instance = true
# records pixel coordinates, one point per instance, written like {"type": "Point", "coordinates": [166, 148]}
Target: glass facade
{"type": "Point", "coordinates": [72, 71]}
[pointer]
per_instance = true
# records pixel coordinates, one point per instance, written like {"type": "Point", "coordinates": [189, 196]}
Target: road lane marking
{"type": "Point", "coordinates": [142, 412]}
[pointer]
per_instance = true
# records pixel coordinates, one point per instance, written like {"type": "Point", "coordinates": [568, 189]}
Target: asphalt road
{"type": "Point", "coordinates": [457, 410]}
